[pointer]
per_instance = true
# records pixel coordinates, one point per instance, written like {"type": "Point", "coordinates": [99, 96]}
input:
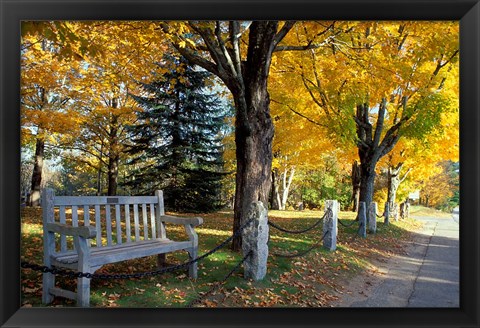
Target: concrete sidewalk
{"type": "Point", "coordinates": [427, 276]}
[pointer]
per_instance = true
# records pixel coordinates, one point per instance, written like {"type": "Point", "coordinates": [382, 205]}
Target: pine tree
{"type": "Point", "coordinates": [176, 144]}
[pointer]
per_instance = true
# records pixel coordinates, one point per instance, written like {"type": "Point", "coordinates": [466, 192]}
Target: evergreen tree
{"type": "Point", "coordinates": [176, 144]}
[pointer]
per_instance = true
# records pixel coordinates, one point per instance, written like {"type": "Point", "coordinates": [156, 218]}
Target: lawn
{"type": "Point", "coordinates": [307, 281]}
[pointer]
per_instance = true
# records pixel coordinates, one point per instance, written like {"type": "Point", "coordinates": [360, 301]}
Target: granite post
{"type": "Point", "coordinates": [254, 239]}
{"type": "Point", "coordinates": [387, 214]}
{"type": "Point", "coordinates": [330, 225]}
{"type": "Point", "coordinates": [372, 218]}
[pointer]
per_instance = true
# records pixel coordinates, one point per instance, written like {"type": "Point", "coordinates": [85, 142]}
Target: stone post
{"type": "Point", "coordinates": [372, 217]}
{"type": "Point", "coordinates": [255, 238]}
{"type": "Point", "coordinates": [407, 209]}
{"type": "Point", "coordinates": [395, 212]}
{"type": "Point", "coordinates": [362, 219]}
{"type": "Point", "coordinates": [387, 214]}
{"type": "Point", "coordinates": [330, 226]}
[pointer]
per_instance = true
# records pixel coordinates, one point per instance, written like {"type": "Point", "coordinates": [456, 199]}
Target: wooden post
{"type": "Point", "coordinates": [254, 239]}
{"type": "Point", "coordinates": [83, 284]}
{"type": "Point", "coordinates": [48, 279]}
{"type": "Point", "coordinates": [387, 214]}
{"type": "Point", "coordinates": [372, 218]}
{"type": "Point", "coordinates": [192, 252]}
{"type": "Point", "coordinates": [161, 233]}
{"type": "Point", "coordinates": [362, 218]}
{"type": "Point", "coordinates": [330, 226]}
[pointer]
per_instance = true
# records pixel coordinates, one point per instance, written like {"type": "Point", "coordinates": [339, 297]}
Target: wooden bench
{"type": "Point", "coordinates": [85, 233]}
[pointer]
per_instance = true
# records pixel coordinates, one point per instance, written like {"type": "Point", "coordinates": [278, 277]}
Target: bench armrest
{"type": "Point", "coordinates": [85, 231]}
{"type": "Point", "coordinates": [181, 220]}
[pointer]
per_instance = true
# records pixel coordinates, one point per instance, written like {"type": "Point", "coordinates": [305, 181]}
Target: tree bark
{"type": "Point", "coordinates": [394, 181]}
{"type": "Point", "coordinates": [245, 75]}
{"type": "Point", "coordinates": [371, 147]}
{"type": "Point", "coordinates": [37, 172]}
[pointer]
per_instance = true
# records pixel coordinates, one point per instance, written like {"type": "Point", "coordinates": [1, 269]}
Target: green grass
{"type": "Point", "coordinates": [310, 280]}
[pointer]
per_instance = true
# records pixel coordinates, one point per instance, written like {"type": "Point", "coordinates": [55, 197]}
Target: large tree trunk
{"type": "Point", "coordinates": [367, 179]}
{"type": "Point", "coordinates": [371, 147]}
{"type": "Point", "coordinates": [245, 75]}
{"type": "Point", "coordinates": [37, 172]}
{"type": "Point", "coordinates": [394, 181]}
{"type": "Point", "coordinates": [253, 150]}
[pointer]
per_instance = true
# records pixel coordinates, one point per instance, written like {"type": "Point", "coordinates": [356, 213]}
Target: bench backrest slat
{"type": "Point", "coordinates": [145, 222]}
{"type": "Point", "coordinates": [98, 226]}
{"type": "Point", "coordinates": [108, 219]}
{"type": "Point", "coordinates": [152, 221]}
{"type": "Point", "coordinates": [127, 223]}
{"type": "Point", "coordinates": [86, 219]}
{"type": "Point", "coordinates": [63, 220]}
{"type": "Point", "coordinates": [118, 224]}
{"type": "Point", "coordinates": [112, 217]}
{"type": "Point", "coordinates": [135, 221]}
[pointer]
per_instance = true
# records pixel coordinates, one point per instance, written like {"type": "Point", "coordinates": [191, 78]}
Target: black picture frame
{"type": "Point", "coordinates": [12, 12]}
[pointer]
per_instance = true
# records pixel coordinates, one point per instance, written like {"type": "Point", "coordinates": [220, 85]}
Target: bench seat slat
{"type": "Point", "coordinates": [117, 253]}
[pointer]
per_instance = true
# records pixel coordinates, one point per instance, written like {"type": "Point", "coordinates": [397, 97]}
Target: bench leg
{"type": "Point", "coordinates": [192, 268]}
{"type": "Point", "coordinates": [161, 261]}
{"type": "Point", "coordinates": [83, 292]}
{"type": "Point", "coordinates": [48, 281]}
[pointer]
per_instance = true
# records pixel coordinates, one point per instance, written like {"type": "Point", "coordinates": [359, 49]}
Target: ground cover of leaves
{"type": "Point", "coordinates": [312, 280]}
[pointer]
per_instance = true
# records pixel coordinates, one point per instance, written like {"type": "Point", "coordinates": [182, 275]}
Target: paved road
{"type": "Point", "coordinates": [428, 275]}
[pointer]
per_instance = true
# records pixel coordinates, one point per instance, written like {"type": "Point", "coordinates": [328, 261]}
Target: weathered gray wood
{"type": "Point", "coordinates": [118, 224]}
{"type": "Point", "coordinates": [195, 221]}
{"type": "Point", "coordinates": [66, 230]}
{"type": "Point", "coordinates": [127, 223]}
{"type": "Point", "coordinates": [145, 221]}
{"type": "Point", "coordinates": [98, 225]}
{"type": "Point", "coordinates": [86, 258]}
{"type": "Point", "coordinates": [135, 221]}
{"type": "Point", "coordinates": [192, 252]}
{"type": "Point", "coordinates": [63, 239]}
{"type": "Point", "coordinates": [75, 216]}
{"type": "Point", "coordinates": [160, 211]}
{"type": "Point", "coordinates": [102, 200]}
{"type": "Point", "coordinates": [63, 293]}
{"type": "Point", "coordinates": [118, 253]}
{"type": "Point", "coordinates": [48, 279]}
{"type": "Point", "coordinates": [108, 223]}
{"type": "Point", "coordinates": [83, 284]}
{"type": "Point", "coordinates": [86, 220]}
{"type": "Point", "coordinates": [152, 221]}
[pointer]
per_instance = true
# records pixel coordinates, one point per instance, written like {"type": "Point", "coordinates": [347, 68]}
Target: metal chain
{"type": "Point", "coordinates": [298, 254]}
{"type": "Point", "coordinates": [358, 231]}
{"type": "Point", "coordinates": [299, 231]}
{"type": "Point", "coordinates": [73, 274]}
{"type": "Point", "coordinates": [219, 283]}
{"type": "Point", "coordinates": [380, 216]}
{"type": "Point", "coordinates": [346, 225]}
